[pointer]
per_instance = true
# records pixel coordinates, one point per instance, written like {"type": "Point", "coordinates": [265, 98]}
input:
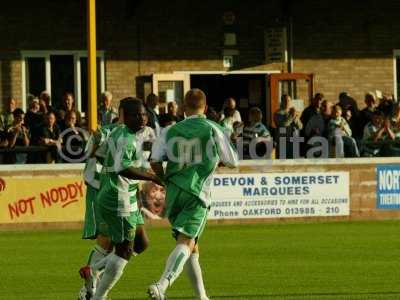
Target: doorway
{"type": "Point", "coordinates": [248, 90]}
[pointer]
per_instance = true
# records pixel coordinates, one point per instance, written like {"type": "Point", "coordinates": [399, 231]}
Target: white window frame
{"type": "Point", "coordinates": [396, 55]}
{"type": "Point", "coordinates": [77, 54]}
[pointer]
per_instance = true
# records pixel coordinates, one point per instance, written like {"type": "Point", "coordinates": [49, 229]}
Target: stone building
{"type": "Point", "coordinates": [228, 48]}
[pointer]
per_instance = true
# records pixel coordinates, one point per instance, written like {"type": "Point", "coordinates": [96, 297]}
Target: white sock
{"type": "Point", "coordinates": [193, 270]}
{"type": "Point", "coordinates": [97, 254]}
{"type": "Point", "coordinates": [99, 266]}
{"type": "Point", "coordinates": [114, 268]}
{"type": "Point", "coordinates": [175, 263]}
{"type": "Point", "coordinates": [96, 261]}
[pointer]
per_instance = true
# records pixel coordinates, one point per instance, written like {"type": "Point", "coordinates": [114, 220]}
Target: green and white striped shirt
{"type": "Point", "coordinates": [118, 193]}
{"type": "Point", "coordinates": [193, 149]}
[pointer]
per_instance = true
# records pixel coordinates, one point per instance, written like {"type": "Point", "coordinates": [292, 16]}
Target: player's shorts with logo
{"type": "Point", "coordinates": [120, 228]}
{"type": "Point", "coordinates": [186, 212]}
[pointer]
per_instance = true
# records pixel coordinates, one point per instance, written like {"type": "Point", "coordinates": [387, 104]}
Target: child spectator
{"type": "Point", "coordinates": [340, 133]}
{"type": "Point", "coordinates": [256, 130]}
{"type": "Point", "coordinates": [338, 125]}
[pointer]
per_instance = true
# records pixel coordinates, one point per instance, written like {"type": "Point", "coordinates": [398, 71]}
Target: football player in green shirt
{"type": "Point", "coordinates": [93, 226]}
{"type": "Point", "coordinates": [116, 199]}
{"type": "Point", "coordinates": [193, 149]}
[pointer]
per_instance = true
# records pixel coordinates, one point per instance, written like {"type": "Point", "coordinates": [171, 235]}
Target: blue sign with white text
{"type": "Point", "coordinates": [388, 187]}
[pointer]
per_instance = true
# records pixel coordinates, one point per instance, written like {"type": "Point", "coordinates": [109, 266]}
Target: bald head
{"type": "Point", "coordinates": [195, 102]}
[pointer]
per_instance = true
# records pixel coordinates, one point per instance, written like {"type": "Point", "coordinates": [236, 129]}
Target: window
{"type": "Point", "coordinates": [59, 72]}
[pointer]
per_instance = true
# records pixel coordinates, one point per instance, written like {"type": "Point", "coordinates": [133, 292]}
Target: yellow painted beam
{"type": "Point", "coordinates": [92, 64]}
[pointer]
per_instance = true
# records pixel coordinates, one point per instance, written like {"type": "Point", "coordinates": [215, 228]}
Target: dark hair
{"type": "Point", "coordinates": [228, 111]}
{"type": "Point", "coordinates": [17, 112]}
{"type": "Point", "coordinates": [212, 114]}
{"type": "Point", "coordinates": [69, 113]}
{"type": "Point", "coordinates": [319, 96]}
{"type": "Point", "coordinates": [66, 94]}
{"type": "Point", "coordinates": [51, 113]}
{"type": "Point", "coordinates": [166, 119]}
{"type": "Point", "coordinates": [129, 104]}
{"type": "Point", "coordinates": [123, 103]}
{"type": "Point", "coordinates": [151, 98]}
{"type": "Point", "coordinates": [378, 113]}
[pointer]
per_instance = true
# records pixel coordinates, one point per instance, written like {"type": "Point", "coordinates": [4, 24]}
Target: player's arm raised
{"type": "Point", "coordinates": [140, 174]}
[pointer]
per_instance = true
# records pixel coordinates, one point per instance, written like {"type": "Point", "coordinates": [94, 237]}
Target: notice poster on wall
{"type": "Point", "coordinates": [273, 195]}
{"type": "Point", "coordinates": [281, 195]}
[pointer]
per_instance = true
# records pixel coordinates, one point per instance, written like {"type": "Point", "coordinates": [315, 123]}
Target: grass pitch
{"type": "Point", "coordinates": [335, 261]}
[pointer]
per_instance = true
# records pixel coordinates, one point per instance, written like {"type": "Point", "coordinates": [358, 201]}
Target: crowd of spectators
{"type": "Point", "coordinates": [45, 129]}
{"type": "Point", "coordinates": [348, 131]}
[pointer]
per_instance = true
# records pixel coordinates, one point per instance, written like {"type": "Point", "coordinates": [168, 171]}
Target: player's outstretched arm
{"type": "Point", "coordinates": [139, 174]}
{"type": "Point", "coordinates": [159, 154]}
{"type": "Point", "coordinates": [158, 169]}
{"type": "Point", "coordinates": [227, 153]}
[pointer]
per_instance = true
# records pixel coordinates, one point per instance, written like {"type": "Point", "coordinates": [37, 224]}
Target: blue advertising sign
{"type": "Point", "coordinates": [388, 186]}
